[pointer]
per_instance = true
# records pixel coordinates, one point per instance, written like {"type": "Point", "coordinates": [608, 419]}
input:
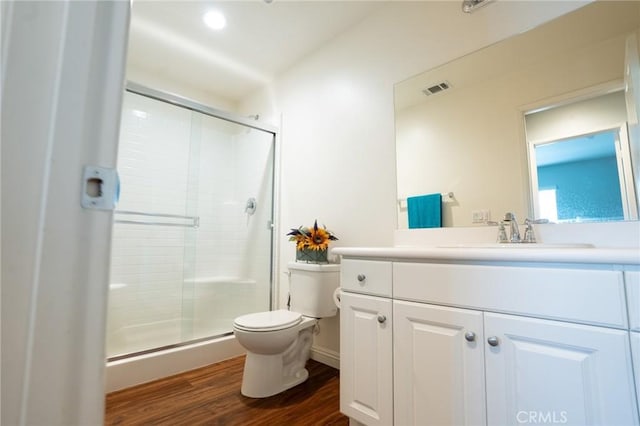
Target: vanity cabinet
{"type": "Point", "coordinates": [490, 345]}
{"type": "Point", "coordinates": [366, 351]}
{"type": "Point", "coordinates": [445, 358]}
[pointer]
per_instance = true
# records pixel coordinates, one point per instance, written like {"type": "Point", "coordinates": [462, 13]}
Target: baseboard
{"type": "Point", "coordinates": [326, 356]}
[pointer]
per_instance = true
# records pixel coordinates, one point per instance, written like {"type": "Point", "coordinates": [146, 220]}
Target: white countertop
{"type": "Point", "coordinates": [618, 256]}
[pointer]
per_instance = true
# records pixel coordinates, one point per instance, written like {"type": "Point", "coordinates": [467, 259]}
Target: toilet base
{"type": "Point", "coordinates": [300, 377]}
{"type": "Point", "coordinates": [263, 376]}
{"type": "Point", "coordinates": [267, 374]}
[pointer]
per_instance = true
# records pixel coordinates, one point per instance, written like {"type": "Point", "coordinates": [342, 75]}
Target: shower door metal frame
{"type": "Point", "coordinates": [252, 123]}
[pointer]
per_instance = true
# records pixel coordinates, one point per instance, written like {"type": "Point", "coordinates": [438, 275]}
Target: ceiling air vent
{"type": "Point", "coordinates": [436, 88]}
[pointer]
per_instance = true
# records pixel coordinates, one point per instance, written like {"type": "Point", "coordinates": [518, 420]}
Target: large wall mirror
{"type": "Point", "coordinates": [543, 124]}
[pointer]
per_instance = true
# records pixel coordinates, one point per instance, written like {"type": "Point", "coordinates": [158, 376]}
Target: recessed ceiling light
{"type": "Point", "coordinates": [214, 20]}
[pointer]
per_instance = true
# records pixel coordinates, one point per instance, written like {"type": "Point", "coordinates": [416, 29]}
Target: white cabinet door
{"type": "Point", "coordinates": [541, 371]}
{"type": "Point", "coordinates": [366, 364]}
{"type": "Point", "coordinates": [438, 365]}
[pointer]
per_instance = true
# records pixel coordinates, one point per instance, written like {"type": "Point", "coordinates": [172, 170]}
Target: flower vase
{"type": "Point", "coordinates": [311, 256]}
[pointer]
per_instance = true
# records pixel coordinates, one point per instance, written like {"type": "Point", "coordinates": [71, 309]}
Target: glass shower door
{"type": "Point", "coordinates": [233, 197]}
{"type": "Point", "coordinates": [188, 256]}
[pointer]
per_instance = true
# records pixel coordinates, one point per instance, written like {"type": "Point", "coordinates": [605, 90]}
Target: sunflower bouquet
{"type": "Point", "coordinates": [311, 243]}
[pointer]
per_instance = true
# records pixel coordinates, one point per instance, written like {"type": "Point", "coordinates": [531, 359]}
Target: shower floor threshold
{"type": "Point", "coordinates": [166, 347]}
{"type": "Point", "coordinates": [140, 368]}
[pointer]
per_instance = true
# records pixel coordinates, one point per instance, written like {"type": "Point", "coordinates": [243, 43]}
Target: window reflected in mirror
{"type": "Point", "coordinates": [580, 161]}
{"type": "Point", "coordinates": [578, 179]}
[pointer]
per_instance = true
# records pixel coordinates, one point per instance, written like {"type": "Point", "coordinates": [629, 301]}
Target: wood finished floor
{"type": "Point", "coordinates": [211, 396]}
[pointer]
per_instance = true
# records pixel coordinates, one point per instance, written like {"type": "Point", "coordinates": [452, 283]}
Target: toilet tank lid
{"type": "Point", "coordinates": [269, 320]}
{"type": "Point", "coordinates": [318, 267]}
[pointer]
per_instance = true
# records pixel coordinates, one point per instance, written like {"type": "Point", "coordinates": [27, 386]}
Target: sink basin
{"type": "Point", "coordinates": [529, 246]}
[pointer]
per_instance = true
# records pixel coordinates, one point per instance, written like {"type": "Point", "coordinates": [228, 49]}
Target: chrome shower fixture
{"type": "Point", "coordinates": [469, 6]}
{"type": "Point", "coordinates": [251, 206]}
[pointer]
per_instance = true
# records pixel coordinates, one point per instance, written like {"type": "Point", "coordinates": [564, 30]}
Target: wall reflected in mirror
{"type": "Point", "coordinates": [471, 140]}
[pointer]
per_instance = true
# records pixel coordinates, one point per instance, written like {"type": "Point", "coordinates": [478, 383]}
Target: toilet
{"type": "Point", "coordinates": [278, 343]}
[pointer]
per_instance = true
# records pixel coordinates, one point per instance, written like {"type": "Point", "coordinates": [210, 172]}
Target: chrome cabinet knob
{"type": "Point", "coordinates": [470, 336]}
{"type": "Point", "coordinates": [493, 341]}
{"type": "Point", "coordinates": [381, 319]}
{"type": "Point", "coordinates": [361, 277]}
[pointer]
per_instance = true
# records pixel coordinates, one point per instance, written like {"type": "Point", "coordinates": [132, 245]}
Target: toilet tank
{"type": "Point", "coordinates": [311, 288]}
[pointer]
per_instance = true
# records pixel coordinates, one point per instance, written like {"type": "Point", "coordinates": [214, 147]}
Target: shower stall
{"type": "Point", "coordinates": [192, 236]}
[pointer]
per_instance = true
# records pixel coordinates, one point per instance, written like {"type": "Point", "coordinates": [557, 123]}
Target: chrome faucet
{"type": "Point", "coordinates": [514, 231]}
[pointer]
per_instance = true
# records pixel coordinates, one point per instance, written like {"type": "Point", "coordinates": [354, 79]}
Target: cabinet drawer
{"type": "Point", "coordinates": [632, 281]}
{"type": "Point", "coordinates": [577, 295]}
{"type": "Point", "coordinates": [366, 276]}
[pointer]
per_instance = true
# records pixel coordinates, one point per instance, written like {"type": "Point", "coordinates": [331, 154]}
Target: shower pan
{"type": "Point", "coordinates": [188, 254]}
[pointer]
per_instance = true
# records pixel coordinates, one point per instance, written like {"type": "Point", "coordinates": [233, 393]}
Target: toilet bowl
{"type": "Point", "coordinates": [276, 355]}
{"type": "Point", "coordinates": [278, 343]}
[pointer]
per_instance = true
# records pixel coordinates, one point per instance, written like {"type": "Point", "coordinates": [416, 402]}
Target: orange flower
{"type": "Point", "coordinates": [318, 239]}
{"type": "Point", "coordinates": [311, 238]}
{"type": "Point", "coordinates": [301, 241]}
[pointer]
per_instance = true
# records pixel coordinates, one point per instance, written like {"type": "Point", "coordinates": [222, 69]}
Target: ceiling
{"type": "Point", "coordinates": [582, 148]}
{"type": "Point", "coordinates": [169, 40]}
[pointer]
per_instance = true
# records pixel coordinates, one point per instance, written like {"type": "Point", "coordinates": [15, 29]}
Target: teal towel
{"type": "Point", "coordinates": [425, 211]}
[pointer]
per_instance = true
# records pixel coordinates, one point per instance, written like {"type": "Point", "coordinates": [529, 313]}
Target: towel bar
{"type": "Point", "coordinates": [446, 196]}
{"type": "Point", "coordinates": [194, 221]}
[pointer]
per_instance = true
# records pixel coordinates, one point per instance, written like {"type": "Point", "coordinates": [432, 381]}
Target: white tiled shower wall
{"type": "Point", "coordinates": [171, 284]}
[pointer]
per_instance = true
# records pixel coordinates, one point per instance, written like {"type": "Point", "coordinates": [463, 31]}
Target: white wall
{"type": "Point", "coordinates": [182, 88]}
{"type": "Point", "coordinates": [336, 114]}
{"type": "Point", "coordinates": [577, 118]}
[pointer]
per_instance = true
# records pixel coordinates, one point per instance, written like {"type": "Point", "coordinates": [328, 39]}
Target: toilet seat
{"type": "Point", "coordinates": [268, 321]}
